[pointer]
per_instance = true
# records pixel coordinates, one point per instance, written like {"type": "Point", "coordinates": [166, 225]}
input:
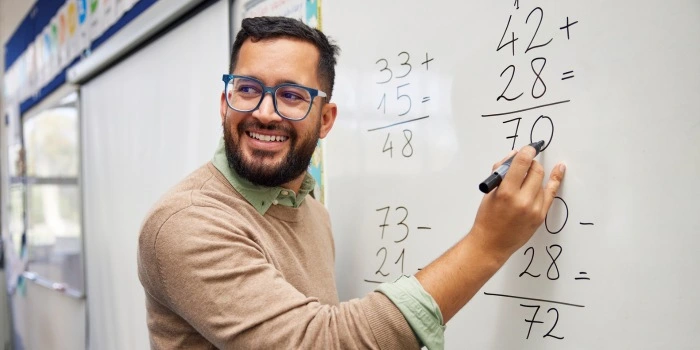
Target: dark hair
{"type": "Point", "coordinates": [260, 28]}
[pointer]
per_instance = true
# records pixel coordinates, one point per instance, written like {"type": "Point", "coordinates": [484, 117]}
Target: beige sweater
{"type": "Point", "coordinates": [218, 274]}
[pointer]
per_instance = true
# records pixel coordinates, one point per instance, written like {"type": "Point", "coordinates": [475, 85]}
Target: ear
{"type": "Point", "coordinates": [223, 108]}
{"type": "Point", "coordinates": [328, 114]}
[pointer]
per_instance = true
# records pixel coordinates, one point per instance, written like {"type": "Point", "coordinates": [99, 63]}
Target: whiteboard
{"type": "Point", "coordinates": [147, 122]}
{"type": "Point", "coordinates": [610, 86]}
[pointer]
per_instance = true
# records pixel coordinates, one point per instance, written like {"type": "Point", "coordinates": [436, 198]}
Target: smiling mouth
{"type": "Point", "coordinates": [267, 138]}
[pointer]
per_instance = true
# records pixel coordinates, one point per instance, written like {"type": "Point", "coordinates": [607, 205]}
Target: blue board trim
{"type": "Point", "coordinates": [33, 25]}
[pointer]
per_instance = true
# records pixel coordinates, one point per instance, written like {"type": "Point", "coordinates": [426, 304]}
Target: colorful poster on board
{"type": "Point", "coordinates": [109, 13]}
{"type": "Point", "coordinates": [45, 68]}
{"type": "Point", "coordinates": [94, 20]}
{"type": "Point", "coordinates": [83, 26]}
{"type": "Point", "coordinates": [30, 62]}
{"type": "Point", "coordinates": [49, 48]}
{"type": "Point", "coordinates": [316, 168]}
{"type": "Point", "coordinates": [313, 13]}
{"type": "Point", "coordinates": [40, 61]}
{"type": "Point", "coordinates": [71, 30]}
{"type": "Point", "coordinates": [285, 8]}
{"type": "Point", "coordinates": [62, 26]}
{"type": "Point", "coordinates": [55, 48]}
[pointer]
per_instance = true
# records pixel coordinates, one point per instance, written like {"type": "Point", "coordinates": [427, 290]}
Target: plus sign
{"type": "Point", "coordinates": [567, 27]}
{"type": "Point", "coordinates": [427, 61]}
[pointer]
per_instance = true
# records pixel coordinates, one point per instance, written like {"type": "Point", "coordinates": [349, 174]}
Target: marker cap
{"type": "Point", "coordinates": [490, 183]}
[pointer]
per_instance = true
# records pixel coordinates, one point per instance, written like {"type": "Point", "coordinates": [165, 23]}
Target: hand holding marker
{"type": "Point", "coordinates": [495, 179]}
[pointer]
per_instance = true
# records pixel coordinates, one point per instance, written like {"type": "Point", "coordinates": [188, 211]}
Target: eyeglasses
{"type": "Point", "coordinates": [291, 101]}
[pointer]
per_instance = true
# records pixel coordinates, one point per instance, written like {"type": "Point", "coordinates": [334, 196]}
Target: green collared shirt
{"type": "Point", "coordinates": [261, 197]}
{"type": "Point", "coordinates": [417, 306]}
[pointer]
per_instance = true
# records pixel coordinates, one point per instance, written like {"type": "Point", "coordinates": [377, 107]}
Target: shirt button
{"type": "Point", "coordinates": [275, 202]}
{"type": "Point", "coordinates": [284, 193]}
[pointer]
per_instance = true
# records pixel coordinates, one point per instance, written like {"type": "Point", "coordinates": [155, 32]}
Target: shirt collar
{"type": "Point", "coordinates": [261, 197]}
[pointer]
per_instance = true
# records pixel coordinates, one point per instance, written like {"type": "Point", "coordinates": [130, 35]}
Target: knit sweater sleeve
{"type": "Point", "coordinates": [219, 280]}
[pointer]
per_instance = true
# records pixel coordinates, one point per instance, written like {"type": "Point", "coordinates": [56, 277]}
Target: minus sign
{"type": "Point", "coordinates": [586, 223]}
{"type": "Point", "coordinates": [369, 281]}
{"type": "Point", "coordinates": [424, 228]}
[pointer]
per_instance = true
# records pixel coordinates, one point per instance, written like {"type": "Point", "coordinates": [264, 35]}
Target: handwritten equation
{"type": "Point", "coordinates": [522, 38]}
{"type": "Point", "coordinates": [400, 97]}
{"type": "Point", "coordinates": [395, 229]}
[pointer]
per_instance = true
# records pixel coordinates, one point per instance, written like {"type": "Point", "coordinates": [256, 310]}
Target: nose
{"type": "Point", "coordinates": [266, 111]}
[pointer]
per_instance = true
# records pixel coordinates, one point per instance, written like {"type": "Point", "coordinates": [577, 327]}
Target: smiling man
{"type": "Point", "coordinates": [259, 145]}
{"type": "Point", "coordinates": [239, 256]}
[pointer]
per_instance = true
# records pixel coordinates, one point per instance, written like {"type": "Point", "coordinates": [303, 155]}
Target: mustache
{"type": "Point", "coordinates": [255, 124]}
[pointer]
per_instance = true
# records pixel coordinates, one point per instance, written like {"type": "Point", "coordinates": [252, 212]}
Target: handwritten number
{"type": "Point", "coordinates": [385, 69]}
{"type": "Point", "coordinates": [405, 63]}
{"type": "Point", "coordinates": [528, 265]}
{"type": "Point", "coordinates": [407, 149]}
{"type": "Point", "coordinates": [382, 103]}
{"type": "Point", "coordinates": [554, 262]}
{"type": "Point", "coordinates": [379, 270]}
{"type": "Point", "coordinates": [503, 94]}
{"type": "Point", "coordinates": [386, 215]}
{"type": "Point", "coordinates": [390, 148]}
{"type": "Point", "coordinates": [514, 136]}
{"type": "Point", "coordinates": [512, 40]}
{"type": "Point", "coordinates": [537, 76]}
{"type": "Point", "coordinates": [401, 259]}
{"type": "Point", "coordinates": [549, 334]}
{"type": "Point", "coordinates": [399, 96]}
{"type": "Point", "coordinates": [566, 207]}
{"type": "Point", "coordinates": [403, 224]}
{"type": "Point", "coordinates": [533, 320]}
{"type": "Point", "coordinates": [549, 141]}
{"type": "Point", "coordinates": [529, 46]}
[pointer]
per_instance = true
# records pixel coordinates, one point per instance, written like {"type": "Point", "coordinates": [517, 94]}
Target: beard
{"type": "Point", "coordinates": [292, 165]}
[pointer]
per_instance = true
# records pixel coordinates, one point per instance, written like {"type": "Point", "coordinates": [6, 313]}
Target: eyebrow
{"type": "Point", "coordinates": [285, 81]}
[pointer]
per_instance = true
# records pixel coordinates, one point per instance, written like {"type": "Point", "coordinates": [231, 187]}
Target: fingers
{"type": "Point", "coordinates": [513, 180]}
{"type": "Point", "coordinates": [533, 180]}
{"type": "Point", "coordinates": [552, 186]}
{"type": "Point", "coordinates": [496, 165]}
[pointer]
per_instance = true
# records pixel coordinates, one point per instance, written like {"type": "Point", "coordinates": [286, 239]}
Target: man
{"type": "Point", "coordinates": [239, 256]}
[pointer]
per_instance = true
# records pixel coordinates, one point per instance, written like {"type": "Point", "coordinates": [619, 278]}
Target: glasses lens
{"type": "Point", "coordinates": [293, 102]}
{"type": "Point", "coordinates": [243, 94]}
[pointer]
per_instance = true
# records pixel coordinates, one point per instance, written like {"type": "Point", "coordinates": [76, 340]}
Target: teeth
{"type": "Point", "coordinates": [267, 138]}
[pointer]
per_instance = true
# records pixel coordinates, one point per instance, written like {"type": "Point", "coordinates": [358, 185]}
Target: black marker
{"type": "Point", "coordinates": [495, 179]}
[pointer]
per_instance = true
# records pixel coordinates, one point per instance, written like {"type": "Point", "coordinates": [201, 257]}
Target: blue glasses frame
{"type": "Point", "coordinates": [272, 90]}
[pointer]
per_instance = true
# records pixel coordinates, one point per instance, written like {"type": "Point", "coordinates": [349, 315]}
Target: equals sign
{"type": "Point", "coordinates": [426, 99]}
{"type": "Point", "coordinates": [582, 278]}
{"type": "Point", "coordinates": [568, 75]}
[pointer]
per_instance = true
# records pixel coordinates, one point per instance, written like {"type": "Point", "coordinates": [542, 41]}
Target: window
{"type": "Point", "coordinates": [53, 219]}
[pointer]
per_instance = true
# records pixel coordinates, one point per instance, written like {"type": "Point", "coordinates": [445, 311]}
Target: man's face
{"type": "Point", "coordinates": [261, 146]}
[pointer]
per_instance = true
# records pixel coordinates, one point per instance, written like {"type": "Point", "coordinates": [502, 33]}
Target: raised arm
{"type": "Point", "coordinates": [507, 218]}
